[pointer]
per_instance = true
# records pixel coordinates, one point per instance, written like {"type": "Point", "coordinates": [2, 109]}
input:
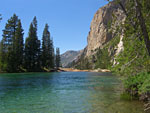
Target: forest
{"type": "Point", "coordinates": [31, 55]}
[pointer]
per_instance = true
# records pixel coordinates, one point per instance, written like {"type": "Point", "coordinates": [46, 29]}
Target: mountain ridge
{"type": "Point", "coordinates": [69, 56]}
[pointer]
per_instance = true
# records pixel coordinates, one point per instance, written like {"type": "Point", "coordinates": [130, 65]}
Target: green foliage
{"type": "Point", "coordinates": [103, 59]}
{"type": "Point", "coordinates": [138, 84]}
{"type": "Point", "coordinates": [47, 55]}
{"type": "Point", "coordinates": [19, 46]}
{"type": "Point", "coordinates": [145, 88]}
{"type": "Point", "coordinates": [104, 56]}
{"type": "Point", "coordinates": [32, 48]}
{"type": "Point", "coordinates": [58, 61]}
{"type": "Point", "coordinates": [15, 56]}
{"type": "Point", "coordinates": [82, 63]}
{"type": "Point", "coordinates": [12, 46]}
{"type": "Point", "coordinates": [134, 61]}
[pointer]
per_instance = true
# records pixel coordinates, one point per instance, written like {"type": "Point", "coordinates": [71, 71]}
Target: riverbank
{"type": "Point", "coordinates": [63, 70]}
{"type": "Point", "coordinates": [40, 70]}
{"type": "Point", "coordinates": [78, 70]}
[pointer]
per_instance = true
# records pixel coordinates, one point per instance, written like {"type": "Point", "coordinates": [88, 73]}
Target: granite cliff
{"type": "Point", "coordinates": [99, 33]}
{"type": "Point", "coordinates": [102, 31]}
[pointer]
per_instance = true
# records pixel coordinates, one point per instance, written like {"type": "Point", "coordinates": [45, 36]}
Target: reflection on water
{"type": "Point", "coordinates": [66, 92]}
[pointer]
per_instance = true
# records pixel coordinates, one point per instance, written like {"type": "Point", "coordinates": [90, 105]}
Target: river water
{"type": "Point", "coordinates": [64, 92]}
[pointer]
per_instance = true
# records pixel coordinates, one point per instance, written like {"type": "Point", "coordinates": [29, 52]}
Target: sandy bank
{"type": "Point", "coordinates": [77, 70]}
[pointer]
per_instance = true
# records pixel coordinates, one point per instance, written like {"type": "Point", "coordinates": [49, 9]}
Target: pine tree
{"type": "Point", "coordinates": [52, 54]}
{"type": "Point", "coordinates": [45, 44]}
{"type": "Point", "coordinates": [58, 62]}
{"type": "Point", "coordinates": [19, 46]}
{"type": "Point", "coordinates": [12, 42]}
{"type": "Point", "coordinates": [32, 48]}
{"type": "Point", "coordinates": [47, 49]}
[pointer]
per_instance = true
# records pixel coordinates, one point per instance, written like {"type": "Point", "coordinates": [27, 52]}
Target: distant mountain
{"type": "Point", "coordinates": [69, 56]}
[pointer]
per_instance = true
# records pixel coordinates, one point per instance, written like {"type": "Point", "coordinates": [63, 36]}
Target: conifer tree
{"type": "Point", "coordinates": [58, 62]}
{"type": "Point", "coordinates": [47, 49]}
{"type": "Point", "coordinates": [32, 48]}
{"type": "Point", "coordinates": [11, 43]}
{"type": "Point", "coordinates": [52, 54]}
{"type": "Point", "coordinates": [19, 46]}
{"type": "Point", "coordinates": [45, 43]}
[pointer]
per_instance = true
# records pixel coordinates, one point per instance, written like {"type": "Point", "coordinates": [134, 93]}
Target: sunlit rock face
{"type": "Point", "coordinates": [99, 33]}
{"type": "Point", "coordinates": [104, 27]}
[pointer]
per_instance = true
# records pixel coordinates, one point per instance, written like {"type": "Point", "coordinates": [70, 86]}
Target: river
{"type": "Point", "coordinates": [63, 92]}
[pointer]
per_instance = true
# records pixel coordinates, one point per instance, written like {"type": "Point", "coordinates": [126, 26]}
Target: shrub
{"type": "Point", "coordinates": [138, 84]}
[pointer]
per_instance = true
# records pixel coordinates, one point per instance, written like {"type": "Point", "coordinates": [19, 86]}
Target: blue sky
{"type": "Point", "coordinates": [69, 20]}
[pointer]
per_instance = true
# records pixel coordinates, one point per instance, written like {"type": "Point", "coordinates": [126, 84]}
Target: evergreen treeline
{"type": "Point", "coordinates": [31, 56]}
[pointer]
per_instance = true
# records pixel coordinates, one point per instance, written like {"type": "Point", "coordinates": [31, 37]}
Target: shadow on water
{"type": "Point", "coordinates": [64, 92]}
